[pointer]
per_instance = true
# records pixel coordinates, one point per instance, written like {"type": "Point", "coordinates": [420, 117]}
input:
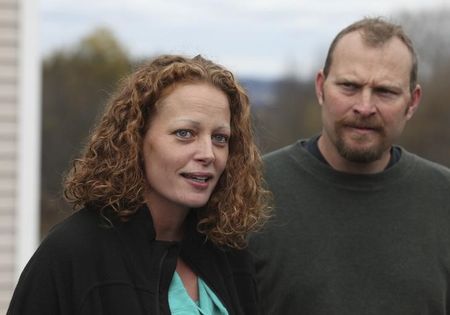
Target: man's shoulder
{"type": "Point", "coordinates": [279, 153]}
{"type": "Point", "coordinates": [427, 165]}
{"type": "Point", "coordinates": [286, 166]}
{"type": "Point", "coordinates": [285, 153]}
{"type": "Point", "coordinates": [427, 168]}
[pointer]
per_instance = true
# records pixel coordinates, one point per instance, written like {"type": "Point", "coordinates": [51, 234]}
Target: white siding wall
{"type": "Point", "coordinates": [17, 85]}
{"type": "Point", "coordinates": [9, 96]}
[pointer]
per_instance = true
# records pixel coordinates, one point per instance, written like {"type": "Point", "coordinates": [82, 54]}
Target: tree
{"type": "Point", "coordinates": [76, 85]}
{"type": "Point", "coordinates": [292, 114]}
{"type": "Point", "coordinates": [428, 133]}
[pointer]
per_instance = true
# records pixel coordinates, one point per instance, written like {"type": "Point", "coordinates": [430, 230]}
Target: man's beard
{"type": "Point", "coordinates": [361, 153]}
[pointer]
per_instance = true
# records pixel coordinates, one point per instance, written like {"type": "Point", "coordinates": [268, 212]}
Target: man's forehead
{"type": "Point", "coordinates": [353, 45]}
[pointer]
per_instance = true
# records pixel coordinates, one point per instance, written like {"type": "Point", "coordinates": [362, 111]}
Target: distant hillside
{"type": "Point", "coordinates": [261, 92]}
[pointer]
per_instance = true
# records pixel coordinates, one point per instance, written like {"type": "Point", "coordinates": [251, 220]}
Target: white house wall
{"type": "Point", "coordinates": [19, 140]}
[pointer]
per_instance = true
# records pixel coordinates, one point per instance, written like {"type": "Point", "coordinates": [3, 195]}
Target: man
{"type": "Point", "coordinates": [360, 226]}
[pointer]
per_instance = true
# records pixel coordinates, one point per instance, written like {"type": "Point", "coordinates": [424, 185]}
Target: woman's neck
{"type": "Point", "coordinates": [168, 221]}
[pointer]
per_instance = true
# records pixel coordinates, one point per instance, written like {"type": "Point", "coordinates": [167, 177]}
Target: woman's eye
{"type": "Point", "coordinates": [220, 138]}
{"type": "Point", "coordinates": [183, 133]}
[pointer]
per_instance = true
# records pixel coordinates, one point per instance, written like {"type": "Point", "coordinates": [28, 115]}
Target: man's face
{"type": "Point", "coordinates": [365, 99]}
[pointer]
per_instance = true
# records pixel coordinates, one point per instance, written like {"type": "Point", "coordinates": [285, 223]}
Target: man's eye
{"type": "Point", "coordinates": [183, 133]}
{"type": "Point", "coordinates": [385, 92]}
{"type": "Point", "coordinates": [349, 85]}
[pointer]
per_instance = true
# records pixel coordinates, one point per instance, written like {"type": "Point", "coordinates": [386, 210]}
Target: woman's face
{"type": "Point", "coordinates": [186, 146]}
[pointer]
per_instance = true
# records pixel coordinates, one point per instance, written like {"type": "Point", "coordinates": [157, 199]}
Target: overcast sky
{"type": "Point", "coordinates": [253, 38]}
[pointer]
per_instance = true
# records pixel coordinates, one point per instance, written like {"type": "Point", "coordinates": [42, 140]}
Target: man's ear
{"type": "Point", "coordinates": [320, 80]}
{"type": "Point", "coordinates": [416, 95]}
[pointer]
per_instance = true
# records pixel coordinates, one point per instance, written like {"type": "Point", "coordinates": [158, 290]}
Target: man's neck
{"type": "Point", "coordinates": [339, 163]}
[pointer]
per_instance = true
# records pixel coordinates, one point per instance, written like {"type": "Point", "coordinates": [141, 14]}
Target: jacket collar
{"type": "Point", "coordinates": [144, 253]}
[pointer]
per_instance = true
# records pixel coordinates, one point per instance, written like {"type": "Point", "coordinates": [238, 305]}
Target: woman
{"type": "Point", "coordinates": [168, 188]}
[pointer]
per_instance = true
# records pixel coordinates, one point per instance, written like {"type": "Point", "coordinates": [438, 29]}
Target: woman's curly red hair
{"type": "Point", "coordinates": [110, 172]}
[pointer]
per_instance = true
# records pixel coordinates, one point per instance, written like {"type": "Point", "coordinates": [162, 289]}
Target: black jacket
{"type": "Point", "coordinates": [85, 267]}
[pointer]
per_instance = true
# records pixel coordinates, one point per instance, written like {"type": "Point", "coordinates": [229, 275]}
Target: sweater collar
{"type": "Point", "coordinates": [381, 180]}
{"type": "Point", "coordinates": [312, 146]}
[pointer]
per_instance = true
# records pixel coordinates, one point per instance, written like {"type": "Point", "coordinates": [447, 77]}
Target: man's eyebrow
{"type": "Point", "coordinates": [391, 87]}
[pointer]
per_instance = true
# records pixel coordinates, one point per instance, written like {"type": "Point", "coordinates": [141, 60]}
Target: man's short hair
{"type": "Point", "coordinates": [376, 32]}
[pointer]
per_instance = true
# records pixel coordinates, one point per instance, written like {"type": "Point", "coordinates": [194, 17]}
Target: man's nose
{"type": "Point", "coordinates": [365, 104]}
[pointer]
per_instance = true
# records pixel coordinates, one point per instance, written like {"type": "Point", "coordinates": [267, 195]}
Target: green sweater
{"type": "Point", "coordinates": [354, 244]}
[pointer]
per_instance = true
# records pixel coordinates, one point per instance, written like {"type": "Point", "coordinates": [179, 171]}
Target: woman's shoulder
{"type": "Point", "coordinates": [82, 232]}
{"type": "Point", "coordinates": [236, 253]}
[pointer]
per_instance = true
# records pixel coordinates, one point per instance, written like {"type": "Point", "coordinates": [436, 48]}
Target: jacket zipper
{"type": "Point", "coordinates": [209, 284]}
{"type": "Point", "coordinates": [161, 262]}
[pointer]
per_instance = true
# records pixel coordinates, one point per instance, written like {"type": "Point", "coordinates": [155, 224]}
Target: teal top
{"type": "Point", "coordinates": [180, 302]}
